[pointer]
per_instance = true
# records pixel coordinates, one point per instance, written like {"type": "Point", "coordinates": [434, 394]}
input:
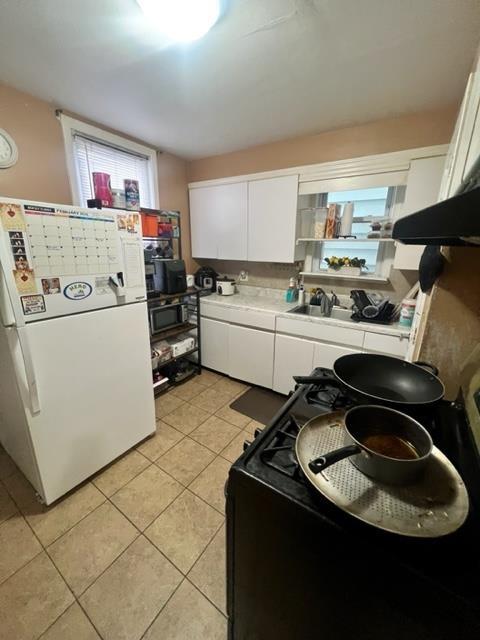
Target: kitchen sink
{"type": "Point", "coordinates": [338, 313]}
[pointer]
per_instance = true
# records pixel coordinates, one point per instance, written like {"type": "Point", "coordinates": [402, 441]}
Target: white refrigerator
{"type": "Point", "coordinates": [75, 372]}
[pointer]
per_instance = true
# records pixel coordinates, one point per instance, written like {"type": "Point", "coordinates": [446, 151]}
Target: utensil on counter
{"type": "Point", "coordinates": [383, 443]}
{"type": "Point", "coordinates": [378, 379]}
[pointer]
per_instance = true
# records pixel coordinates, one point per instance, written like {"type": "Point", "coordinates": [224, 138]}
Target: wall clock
{"type": "Point", "coordinates": [8, 150]}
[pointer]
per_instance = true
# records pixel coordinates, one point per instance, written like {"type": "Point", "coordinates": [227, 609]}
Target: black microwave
{"type": "Point", "coordinates": [167, 316]}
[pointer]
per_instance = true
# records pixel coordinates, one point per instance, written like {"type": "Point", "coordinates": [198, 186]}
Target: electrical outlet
{"type": "Point", "coordinates": [243, 276]}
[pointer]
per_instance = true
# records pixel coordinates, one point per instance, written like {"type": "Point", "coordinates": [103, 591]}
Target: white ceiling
{"type": "Point", "coordinates": [270, 69]}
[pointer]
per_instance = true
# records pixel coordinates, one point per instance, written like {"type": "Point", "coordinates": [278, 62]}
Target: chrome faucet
{"type": "Point", "coordinates": [327, 304]}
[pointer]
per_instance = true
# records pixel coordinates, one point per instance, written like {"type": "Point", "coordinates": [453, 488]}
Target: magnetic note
{"type": "Point", "coordinates": [25, 280]}
{"type": "Point", "coordinates": [11, 217]}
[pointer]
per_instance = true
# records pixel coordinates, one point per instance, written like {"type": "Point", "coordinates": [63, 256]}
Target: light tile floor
{"type": "Point", "coordinates": [139, 551]}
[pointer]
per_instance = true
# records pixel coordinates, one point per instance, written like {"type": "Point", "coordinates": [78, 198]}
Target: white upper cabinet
{"type": "Point", "coordinates": [218, 219]}
{"type": "Point", "coordinates": [465, 145]}
{"type": "Point", "coordinates": [423, 186]}
{"type": "Point", "coordinates": [272, 211]}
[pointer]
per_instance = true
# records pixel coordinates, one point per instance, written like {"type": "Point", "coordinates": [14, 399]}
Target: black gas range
{"type": "Point", "coordinates": [299, 568]}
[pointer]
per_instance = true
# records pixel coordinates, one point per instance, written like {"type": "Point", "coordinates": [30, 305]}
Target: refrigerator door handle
{"type": "Point", "coordinates": [29, 372]}
{"type": "Point", "coordinates": [7, 315]}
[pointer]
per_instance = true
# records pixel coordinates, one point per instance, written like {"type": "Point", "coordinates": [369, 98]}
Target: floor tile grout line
{"type": "Point", "coordinates": [141, 535]}
{"type": "Point", "coordinates": [96, 508]}
{"type": "Point", "coordinates": [163, 607]}
{"type": "Point", "coordinates": [80, 595]}
{"type": "Point", "coordinates": [209, 415]}
{"type": "Point", "coordinates": [207, 503]}
{"type": "Point", "coordinates": [12, 515]}
{"type": "Point", "coordinates": [132, 478]}
{"type": "Point", "coordinates": [41, 550]}
{"type": "Point", "coordinates": [207, 597]}
{"type": "Point", "coordinates": [196, 562]}
{"type": "Point", "coordinates": [201, 553]}
{"type": "Point", "coordinates": [76, 599]}
{"type": "Point", "coordinates": [45, 549]}
{"type": "Point", "coordinates": [69, 607]}
{"type": "Point", "coordinates": [77, 522]}
{"type": "Point", "coordinates": [217, 453]}
{"type": "Point", "coordinates": [168, 473]}
{"type": "Point", "coordinates": [62, 577]}
{"type": "Point", "coordinates": [159, 514]}
{"type": "Point", "coordinates": [45, 546]}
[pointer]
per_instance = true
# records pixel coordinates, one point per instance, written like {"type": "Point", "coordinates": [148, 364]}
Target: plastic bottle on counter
{"type": "Point", "coordinates": [301, 295]}
{"type": "Point", "coordinates": [407, 312]}
{"type": "Point", "coordinates": [292, 291]}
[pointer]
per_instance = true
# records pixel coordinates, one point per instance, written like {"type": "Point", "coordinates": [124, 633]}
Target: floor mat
{"type": "Point", "coordinates": [259, 404]}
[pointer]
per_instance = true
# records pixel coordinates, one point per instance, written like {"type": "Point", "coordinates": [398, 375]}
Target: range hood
{"type": "Point", "coordinates": [451, 222]}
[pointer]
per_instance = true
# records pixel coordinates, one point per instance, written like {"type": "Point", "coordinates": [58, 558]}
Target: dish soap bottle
{"type": "Point", "coordinates": [290, 294]}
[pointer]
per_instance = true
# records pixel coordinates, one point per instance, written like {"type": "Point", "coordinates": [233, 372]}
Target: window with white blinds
{"type": "Point", "coordinates": [91, 155]}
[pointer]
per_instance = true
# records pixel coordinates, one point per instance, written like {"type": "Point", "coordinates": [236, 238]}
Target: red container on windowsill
{"type": "Point", "coordinates": [102, 188]}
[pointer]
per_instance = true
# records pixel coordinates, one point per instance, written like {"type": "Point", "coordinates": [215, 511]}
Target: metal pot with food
{"type": "Point", "coordinates": [383, 443]}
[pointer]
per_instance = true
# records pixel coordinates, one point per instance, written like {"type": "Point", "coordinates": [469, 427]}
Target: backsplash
{"type": "Point", "coordinates": [276, 276]}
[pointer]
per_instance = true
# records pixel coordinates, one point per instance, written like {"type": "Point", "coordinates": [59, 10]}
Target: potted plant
{"type": "Point", "coordinates": [347, 266]}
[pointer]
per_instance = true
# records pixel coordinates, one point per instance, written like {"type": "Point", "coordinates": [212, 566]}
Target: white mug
{"type": "Point", "coordinates": [190, 281]}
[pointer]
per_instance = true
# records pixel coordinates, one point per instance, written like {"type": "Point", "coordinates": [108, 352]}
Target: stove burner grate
{"type": "Point", "coordinates": [280, 452]}
{"type": "Point", "coordinates": [330, 397]}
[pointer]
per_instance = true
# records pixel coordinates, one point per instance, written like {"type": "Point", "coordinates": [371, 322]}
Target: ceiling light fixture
{"type": "Point", "coordinates": [182, 20]}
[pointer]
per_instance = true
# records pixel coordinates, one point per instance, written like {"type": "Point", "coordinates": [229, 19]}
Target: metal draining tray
{"type": "Point", "coordinates": [434, 506]}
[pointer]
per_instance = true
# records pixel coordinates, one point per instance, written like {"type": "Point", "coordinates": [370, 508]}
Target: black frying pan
{"type": "Point", "coordinates": [383, 379]}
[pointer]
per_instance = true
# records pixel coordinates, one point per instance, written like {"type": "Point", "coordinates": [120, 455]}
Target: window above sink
{"type": "Point", "coordinates": [371, 204]}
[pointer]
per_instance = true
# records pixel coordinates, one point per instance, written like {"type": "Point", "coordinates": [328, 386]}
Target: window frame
{"type": "Point", "coordinates": [386, 250]}
{"type": "Point", "coordinates": [71, 126]}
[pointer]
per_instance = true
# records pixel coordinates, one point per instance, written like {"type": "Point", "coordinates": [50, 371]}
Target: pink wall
{"type": "Point", "coordinates": [383, 136]}
{"type": "Point", "coordinates": [41, 170]}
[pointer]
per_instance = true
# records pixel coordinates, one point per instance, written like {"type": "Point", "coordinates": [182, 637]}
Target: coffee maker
{"type": "Point", "coordinates": [165, 276]}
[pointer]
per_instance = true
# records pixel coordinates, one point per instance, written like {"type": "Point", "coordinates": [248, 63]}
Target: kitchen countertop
{"type": "Point", "coordinates": [386, 329]}
{"type": "Point", "coordinates": [269, 304]}
{"type": "Point", "coordinates": [273, 301]}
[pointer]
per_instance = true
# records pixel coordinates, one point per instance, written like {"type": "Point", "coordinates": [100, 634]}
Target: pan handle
{"type": "Point", "coordinates": [321, 463]}
{"type": "Point", "coordinates": [426, 365]}
{"type": "Point", "coordinates": [314, 379]}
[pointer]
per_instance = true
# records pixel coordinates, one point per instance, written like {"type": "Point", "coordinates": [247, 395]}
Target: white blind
{"type": "Point", "coordinates": [91, 155]}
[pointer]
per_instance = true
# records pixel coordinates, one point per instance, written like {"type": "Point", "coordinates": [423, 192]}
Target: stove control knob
{"type": "Point", "coordinates": [246, 444]}
{"type": "Point", "coordinates": [257, 432]}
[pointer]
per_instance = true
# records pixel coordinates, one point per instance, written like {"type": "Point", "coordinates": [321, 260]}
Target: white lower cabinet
{"type": "Point", "coordinates": [214, 341]}
{"type": "Point", "coordinates": [259, 355]}
{"type": "Point", "coordinates": [388, 345]}
{"type": "Point", "coordinates": [324, 355]}
{"type": "Point", "coordinates": [250, 355]}
{"type": "Point", "coordinates": [293, 357]}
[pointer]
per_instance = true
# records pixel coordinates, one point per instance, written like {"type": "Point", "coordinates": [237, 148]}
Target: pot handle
{"type": "Point", "coordinates": [426, 365]}
{"type": "Point", "coordinates": [321, 463]}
